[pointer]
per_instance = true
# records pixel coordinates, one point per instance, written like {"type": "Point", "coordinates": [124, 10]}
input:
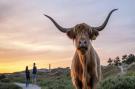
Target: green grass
{"type": "Point", "coordinates": [9, 86]}
{"type": "Point", "coordinates": [130, 73]}
{"type": "Point", "coordinates": [6, 83]}
{"type": "Point", "coordinates": [109, 71]}
{"type": "Point", "coordinates": [62, 81]}
{"type": "Point", "coordinates": [114, 81]}
{"type": "Point", "coordinates": [119, 82]}
{"type": "Point", "coordinates": [18, 79]}
{"type": "Point", "coordinates": [59, 82]}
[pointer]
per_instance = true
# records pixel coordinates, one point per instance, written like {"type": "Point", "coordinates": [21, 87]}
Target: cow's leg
{"type": "Point", "coordinates": [92, 83]}
{"type": "Point", "coordinates": [94, 78]}
{"type": "Point", "coordinates": [98, 67]}
{"type": "Point", "coordinates": [77, 83]}
{"type": "Point", "coordinates": [85, 78]}
{"type": "Point", "coordinates": [99, 72]}
{"type": "Point", "coordinates": [94, 86]}
{"type": "Point", "coordinates": [89, 82]}
{"type": "Point", "coordinates": [84, 83]}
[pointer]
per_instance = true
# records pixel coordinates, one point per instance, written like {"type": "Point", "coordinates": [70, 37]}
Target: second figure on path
{"type": "Point", "coordinates": [34, 74]}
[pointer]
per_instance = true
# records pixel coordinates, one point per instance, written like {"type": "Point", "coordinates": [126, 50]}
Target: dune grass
{"type": "Point", "coordinates": [9, 86]}
{"type": "Point", "coordinates": [61, 82]}
{"type": "Point", "coordinates": [119, 82]}
{"type": "Point", "coordinates": [111, 80]}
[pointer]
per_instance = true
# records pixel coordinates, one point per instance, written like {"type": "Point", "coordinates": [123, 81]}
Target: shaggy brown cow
{"type": "Point", "coordinates": [85, 68]}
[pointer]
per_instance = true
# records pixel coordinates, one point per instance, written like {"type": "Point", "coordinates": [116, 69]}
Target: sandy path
{"type": "Point", "coordinates": [31, 86]}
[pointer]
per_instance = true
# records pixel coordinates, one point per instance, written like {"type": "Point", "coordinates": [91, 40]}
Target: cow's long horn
{"type": "Point", "coordinates": [105, 22]}
{"type": "Point", "coordinates": [57, 25]}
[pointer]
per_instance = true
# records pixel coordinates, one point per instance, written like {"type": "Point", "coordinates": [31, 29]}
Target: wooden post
{"type": "Point", "coordinates": [49, 67]}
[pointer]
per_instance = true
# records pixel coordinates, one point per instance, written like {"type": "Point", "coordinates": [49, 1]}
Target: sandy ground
{"type": "Point", "coordinates": [31, 86]}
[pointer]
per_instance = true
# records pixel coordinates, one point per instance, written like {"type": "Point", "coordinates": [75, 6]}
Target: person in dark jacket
{"type": "Point", "coordinates": [34, 74]}
{"type": "Point", "coordinates": [27, 73]}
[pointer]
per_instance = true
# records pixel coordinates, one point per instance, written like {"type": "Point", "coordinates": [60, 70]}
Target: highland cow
{"type": "Point", "coordinates": [85, 68]}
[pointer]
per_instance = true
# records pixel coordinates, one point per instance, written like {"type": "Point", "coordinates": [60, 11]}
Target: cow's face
{"type": "Point", "coordinates": [82, 38]}
{"type": "Point", "coordinates": [82, 35]}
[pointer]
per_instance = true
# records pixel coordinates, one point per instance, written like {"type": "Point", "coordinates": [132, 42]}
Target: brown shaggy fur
{"type": "Point", "coordinates": [85, 68]}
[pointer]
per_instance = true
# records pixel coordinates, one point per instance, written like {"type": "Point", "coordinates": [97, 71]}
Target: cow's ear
{"type": "Point", "coordinates": [93, 34]}
{"type": "Point", "coordinates": [71, 34]}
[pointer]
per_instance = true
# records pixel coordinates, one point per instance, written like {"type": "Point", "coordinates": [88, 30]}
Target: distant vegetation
{"type": "Point", "coordinates": [125, 59]}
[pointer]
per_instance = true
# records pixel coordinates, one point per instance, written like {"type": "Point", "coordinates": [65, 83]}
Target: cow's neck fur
{"type": "Point", "coordinates": [88, 63]}
{"type": "Point", "coordinates": [84, 57]}
{"type": "Point", "coordinates": [88, 58]}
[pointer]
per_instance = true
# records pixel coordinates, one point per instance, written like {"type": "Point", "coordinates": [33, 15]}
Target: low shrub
{"type": "Point", "coordinates": [119, 82]}
{"type": "Point", "coordinates": [18, 79]}
{"type": "Point", "coordinates": [5, 80]}
{"type": "Point", "coordinates": [2, 76]}
{"type": "Point", "coordinates": [9, 86]}
{"type": "Point", "coordinates": [131, 73]}
{"type": "Point", "coordinates": [62, 82]}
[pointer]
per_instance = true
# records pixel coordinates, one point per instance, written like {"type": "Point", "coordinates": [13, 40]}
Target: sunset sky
{"type": "Point", "coordinates": [26, 36]}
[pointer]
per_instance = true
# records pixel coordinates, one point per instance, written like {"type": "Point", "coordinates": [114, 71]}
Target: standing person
{"type": "Point", "coordinates": [34, 74]}
{"type": "Point", "coordinates": [27, 73]}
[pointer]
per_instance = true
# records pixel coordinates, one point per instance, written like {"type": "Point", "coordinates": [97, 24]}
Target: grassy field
{"type": "Point", "coordinates": [111, 78]}
{"type": "Point", "coordinates": [6, 83]}
{"type": "Point", "coordinates": [118, 82]}
{"type": "Point", "coordinates": [56, 79]}
{"type": "Point", "coordinates": [60, 78]}
{"type": "Point", "coordinates": [59, 82]}
{"type": "Point", "coordinates": [9, 86]}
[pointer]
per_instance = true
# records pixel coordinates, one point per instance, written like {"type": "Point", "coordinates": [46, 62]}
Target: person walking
{"type": "Point", "coordinates": [34, 74]}
{"type": "Point", "coordinates": [27, 73]}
